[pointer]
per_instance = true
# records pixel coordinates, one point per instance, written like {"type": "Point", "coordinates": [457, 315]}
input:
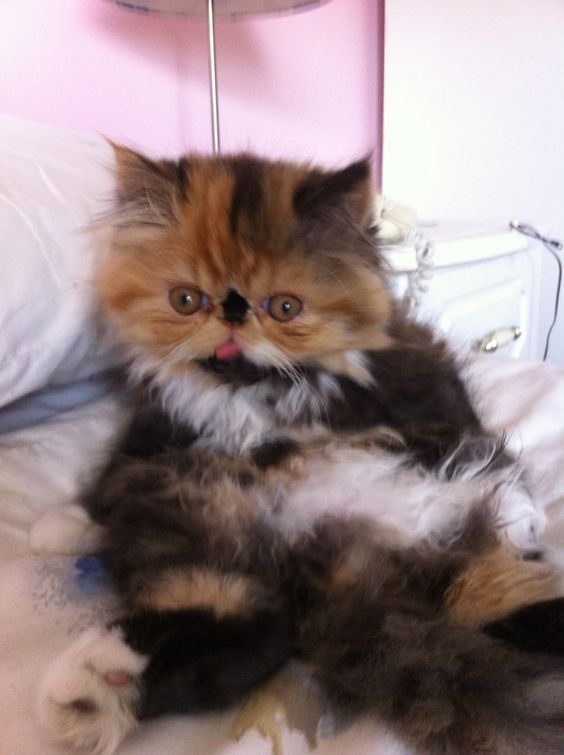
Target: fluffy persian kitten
{"type": "Point", "coordinates": [303, 475]}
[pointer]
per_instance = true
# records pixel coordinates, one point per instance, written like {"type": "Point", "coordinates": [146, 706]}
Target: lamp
{"type": "Point", "coordinates": [209, 9]}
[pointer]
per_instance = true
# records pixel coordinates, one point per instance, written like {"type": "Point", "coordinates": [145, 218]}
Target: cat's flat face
{"type": "Point", "coordinates": [221, 261]}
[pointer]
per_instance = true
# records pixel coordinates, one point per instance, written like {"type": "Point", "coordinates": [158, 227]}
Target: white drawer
{"type": "Point", "coordinates": [494, 320]}
{"type": "Point", "coordinates": [481, 305]}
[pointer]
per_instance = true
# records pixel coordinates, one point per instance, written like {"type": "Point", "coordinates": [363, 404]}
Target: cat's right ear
{"type": "Point", "coordinates": [148, 192]}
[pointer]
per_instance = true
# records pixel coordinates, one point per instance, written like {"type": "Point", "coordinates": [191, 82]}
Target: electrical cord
{"type": "Point", "coordinates": [552, 246]}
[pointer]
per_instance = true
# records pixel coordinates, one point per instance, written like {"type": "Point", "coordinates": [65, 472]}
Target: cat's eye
{"type": "Point", "coordinates": [186, 300]}
{"type": "Point", "coordinates": [283, 307]}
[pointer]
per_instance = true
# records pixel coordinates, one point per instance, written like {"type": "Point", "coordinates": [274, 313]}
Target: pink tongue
{"type": "Point", "coordinates": [228, 351]}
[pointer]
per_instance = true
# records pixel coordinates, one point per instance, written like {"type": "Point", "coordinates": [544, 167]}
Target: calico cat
{"type": "Point", "coordinates": [304, 475]}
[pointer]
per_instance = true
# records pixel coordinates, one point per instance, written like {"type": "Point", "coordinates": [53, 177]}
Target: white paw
{"type": "Point", "coordinates": [66, 530]}
{"type": "Point", "coordinates": [523, 522]}
{"type": "Point", "coordinates": [88, 696]}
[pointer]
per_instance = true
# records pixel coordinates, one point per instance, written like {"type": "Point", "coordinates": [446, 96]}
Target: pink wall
{"type": "Point", "coordinates": [304, 85]}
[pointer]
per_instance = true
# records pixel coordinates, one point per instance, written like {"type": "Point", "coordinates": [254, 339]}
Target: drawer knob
{"type": "Point", "coordinates": [498, 337]}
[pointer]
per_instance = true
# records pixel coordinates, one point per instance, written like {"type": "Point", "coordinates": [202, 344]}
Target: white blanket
{"type": "Point", "coordinates": [46, 601]}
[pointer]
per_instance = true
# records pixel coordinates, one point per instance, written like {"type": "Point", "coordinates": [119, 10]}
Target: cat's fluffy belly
{"type": "Point", "coordinates": [410, 502]}
{"type": "Point", "coordinates": [406, 502]}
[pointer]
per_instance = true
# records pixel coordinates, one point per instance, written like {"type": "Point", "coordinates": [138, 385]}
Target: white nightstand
{"type": "Point", "coordinates": [478, 284]}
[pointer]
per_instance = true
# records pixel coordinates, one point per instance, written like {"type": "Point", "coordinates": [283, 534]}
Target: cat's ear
{"type": "Point", "coordinates": [346, 194]}
{"type": "Point", "coordinates": [148, 192]}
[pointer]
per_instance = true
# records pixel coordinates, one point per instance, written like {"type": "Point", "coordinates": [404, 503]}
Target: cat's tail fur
{"type": "Point", "coordinates": [378, 638]}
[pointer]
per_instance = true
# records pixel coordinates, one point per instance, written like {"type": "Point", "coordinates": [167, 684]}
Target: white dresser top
{"type": "Point", "coordinates": [455, 244]}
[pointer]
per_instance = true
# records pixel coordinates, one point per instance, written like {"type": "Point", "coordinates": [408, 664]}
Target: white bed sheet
{"type": "Point", "coordinates": [42, 605]}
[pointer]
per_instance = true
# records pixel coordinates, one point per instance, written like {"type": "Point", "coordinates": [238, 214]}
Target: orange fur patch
{"type": "Point", "coordinates": [193, 588]}
{"type": "Point", "coordinates": [495, 585]}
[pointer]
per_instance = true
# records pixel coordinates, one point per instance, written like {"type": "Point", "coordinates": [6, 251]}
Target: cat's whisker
{"type": "Point", "coordinates": [338, 280]}
{"type": "Point", "coordinates": [178, 350]}
{"type": "Point", "coordinates": [290, 371]}
{"type": "Point", "coordinates": [178, 353]}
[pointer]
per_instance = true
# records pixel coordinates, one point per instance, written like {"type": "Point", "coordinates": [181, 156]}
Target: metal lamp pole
{"type": "Point", "coordinates": [213, 79]}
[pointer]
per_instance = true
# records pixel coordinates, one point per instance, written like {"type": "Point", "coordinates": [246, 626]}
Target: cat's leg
{"type": "Point", "coordinates": [522, 520]}
{"type": "Point", "coordinates": [374, 626]}
{"type": "Point", "coordinates": [65, 530]}
{"type": "Point", "coordinates": [537, 628]}
{"type": "Point", "coordinates": [485, 461]}
{"type": "Point", "coordinates": [444, 689]}
{"type": "Point", "coordinates": [201, 662]}
{"type": "Point", "coordinates": [496, 583]}
{"type": "Point", "coordinates": [89, 696]}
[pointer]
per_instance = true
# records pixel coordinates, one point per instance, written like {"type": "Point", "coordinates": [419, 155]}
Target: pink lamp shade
{"type": "Point", "coordinates": [197, 8]}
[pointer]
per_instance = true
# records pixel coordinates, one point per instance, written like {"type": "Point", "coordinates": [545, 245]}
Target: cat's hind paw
{"type": "Point", "coordinates": [88, 696]}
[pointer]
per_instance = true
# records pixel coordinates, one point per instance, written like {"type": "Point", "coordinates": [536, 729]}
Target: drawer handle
{"type": "Point", "coordinates": [498, 337]}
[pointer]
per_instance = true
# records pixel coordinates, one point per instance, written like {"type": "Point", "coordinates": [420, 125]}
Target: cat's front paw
{"type": "Point", "coordinates": [523, 522]}
{"type": "Point", "coordinates": [65, 530]}
{"type": "Point", "coordinates": [88, 696]}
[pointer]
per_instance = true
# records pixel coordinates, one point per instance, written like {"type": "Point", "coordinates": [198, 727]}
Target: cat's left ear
{"type": "Point", "coordinates": [346, 193]}
{"type": "Point", "coordinates": [148, 191]}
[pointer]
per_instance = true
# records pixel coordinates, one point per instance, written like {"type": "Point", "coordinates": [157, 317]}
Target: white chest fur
{"type": "Point", "coordinates": [410, 503]}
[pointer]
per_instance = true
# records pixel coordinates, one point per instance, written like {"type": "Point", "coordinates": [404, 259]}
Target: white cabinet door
{"type": "Point", "coordinates": [488, 305]}
{"type": "Point", "coordinates": [493, 320]}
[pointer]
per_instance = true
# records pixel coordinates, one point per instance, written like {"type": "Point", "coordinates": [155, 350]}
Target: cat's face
{"type": "Point", "coordinates": [219, 262]}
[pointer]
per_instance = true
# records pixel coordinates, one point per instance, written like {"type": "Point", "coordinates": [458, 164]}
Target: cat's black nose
{"type": "Point", "coordinates": [235, 307]}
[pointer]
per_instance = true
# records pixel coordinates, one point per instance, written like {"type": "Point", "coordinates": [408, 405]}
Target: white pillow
{"type": "Point", "coordinates": [53, 182]}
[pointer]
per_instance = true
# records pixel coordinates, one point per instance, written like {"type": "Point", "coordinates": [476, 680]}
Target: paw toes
{"type": "Point", "coordinates": [83, 705]}
{"type": "Point", "coordinates": [88, 697]}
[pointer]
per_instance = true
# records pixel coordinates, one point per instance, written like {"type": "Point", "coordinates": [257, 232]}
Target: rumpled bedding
{"type": "Point", "coordinates": [46, 601]}
{"type": "Point", "coordinates": [54, 183]}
